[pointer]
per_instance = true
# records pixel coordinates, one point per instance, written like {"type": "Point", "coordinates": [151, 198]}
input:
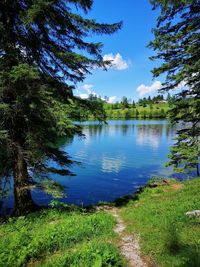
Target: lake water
{"type": "Point", "coordinates": [116, 159]}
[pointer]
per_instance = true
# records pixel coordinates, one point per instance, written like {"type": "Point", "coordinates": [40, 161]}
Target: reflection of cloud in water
{"type": "Point", "coordinates": [112, 164]}
{"type": "Point", "coordinates": [80, 155]}
{"type": "Point", "coordinates": [111, 129]}
{"type": "Point", "coordinates": [150, 140]}
{"type": "Point", "coordinates": [149, 135]}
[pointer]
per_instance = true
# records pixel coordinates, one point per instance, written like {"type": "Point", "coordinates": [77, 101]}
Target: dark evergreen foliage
{"type": "Point", "coordinates": [177, 44]}
{"type": "Point", "coordinates": [43, 53]}
{"type": "Point", "coordinates": [124, 103]}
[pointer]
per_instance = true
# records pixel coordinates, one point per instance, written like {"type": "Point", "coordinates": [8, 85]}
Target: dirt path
{"type": "Point", "coordinates": [129, 244]}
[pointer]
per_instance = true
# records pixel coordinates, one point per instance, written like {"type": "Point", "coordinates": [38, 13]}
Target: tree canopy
{"type": "Point", "coordinates": [177, 44]}
{"type": "Point", "coordinates": [44, 51]}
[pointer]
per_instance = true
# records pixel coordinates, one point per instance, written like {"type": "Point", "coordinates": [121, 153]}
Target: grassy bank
{"type": "Point", "coordinates": [148, 111]}
{"type": "Point", "coordinates": [167, 234]}
{"type": "Point", "coordinates": [59, 238]}
{"type": "Point", "coordinates": [74, 238]}
{"type": "Point", "coordinates": [114, 111]}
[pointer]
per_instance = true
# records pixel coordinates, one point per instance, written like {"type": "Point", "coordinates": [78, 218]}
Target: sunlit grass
{"type": "Point", "coordinates": [59, 238]}
{"type": "Point", "coordinates": [153, 111]}
{"type": "Point", "coordinates": [167, 234]}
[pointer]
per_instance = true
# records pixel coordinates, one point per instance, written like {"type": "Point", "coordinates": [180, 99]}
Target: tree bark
{"type": "Point", "coordinates": [23, 200]}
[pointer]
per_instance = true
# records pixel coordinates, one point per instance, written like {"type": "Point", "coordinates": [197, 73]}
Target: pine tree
{"type": "Point", "coordinates": [177, 43]}
{"type": "Point", "coordinates": [43, 52]}
{"type": "Point", "coordinates": [133, 104]}
{"type": "Point", "coordinates": [124, 102]}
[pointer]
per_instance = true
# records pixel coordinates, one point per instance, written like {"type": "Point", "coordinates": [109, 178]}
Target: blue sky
{"type": "Point", "coordinates": [131, 73]}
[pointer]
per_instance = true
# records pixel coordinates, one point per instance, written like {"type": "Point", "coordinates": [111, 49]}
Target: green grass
{"type": "Point", "coordinates": [154, 111]}
{"type": "Point", "coordinates": [74, 238]}
{"type": "Point", "coordinates": [167, 234]}
{"type": "Point", "coordinates": [59, 238]}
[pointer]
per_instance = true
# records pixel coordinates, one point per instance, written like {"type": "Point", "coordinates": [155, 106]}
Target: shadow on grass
{"type": "Point", "coordinates": [192, 255]}
{"type": "Point", "coordinates": [189, 254]}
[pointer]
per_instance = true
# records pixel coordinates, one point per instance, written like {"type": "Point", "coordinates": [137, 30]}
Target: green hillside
{"type": "Point", "coordinates": [158, 110]}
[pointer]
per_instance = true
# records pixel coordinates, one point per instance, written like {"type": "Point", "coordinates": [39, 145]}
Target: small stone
{"type": "Point", "coordinates": [193, 213]}
{"type": "Point", "coordinates": [153, 185]}
{"type": "Point", "coordinates": [165, 181]}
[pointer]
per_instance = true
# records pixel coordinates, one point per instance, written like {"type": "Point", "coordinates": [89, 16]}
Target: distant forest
{"type": "Point", "coordinates": [147, 107]}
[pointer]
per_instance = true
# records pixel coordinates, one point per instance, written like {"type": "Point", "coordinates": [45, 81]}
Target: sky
{"type": "Point", "coordinates": [130, 74]}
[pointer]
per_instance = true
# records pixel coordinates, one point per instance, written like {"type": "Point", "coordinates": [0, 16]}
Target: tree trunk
{"type": "Point", "coordinates": [22, 195]}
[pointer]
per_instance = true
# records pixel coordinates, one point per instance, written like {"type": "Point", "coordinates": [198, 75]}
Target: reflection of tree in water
{"type": "Point", "coordinates": [170, 130]}
{"type": "Point", "coordinates": [150, 134]}
{"type": "Point", "coordinates": [124, 129]}
{"type": "Point", "coordinates": [94, 130]}
{"type": "Point", "coordinates": [108, 129]}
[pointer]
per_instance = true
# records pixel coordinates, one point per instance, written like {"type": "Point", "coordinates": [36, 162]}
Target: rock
{"type": "Point", "coordinates": [165, 181]}
{"type": "Point", "coordinates": [159, 183]}
{"type": "Point", "coordinates": [153, 185]}
{"type": "Point", "coordinates": [103, 207]}
{"type": "Point", "coordinates": [193, 213]}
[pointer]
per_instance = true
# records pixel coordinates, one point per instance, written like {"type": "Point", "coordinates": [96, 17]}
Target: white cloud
{"type": "Point", "coordinates": [89, 91]}
{"type": "Point", "coordinates": [112, 99]}
{"type": "Point", "coordinates": [88, 87]}
{"type": "Point", "coordinates": [83, 96]}
{"type": "Point", "coordinates": [157, 85]}
{"type": "Point", "coordinates": [144, 89]}
{"type": "Point", "coordinates": [118, 63]}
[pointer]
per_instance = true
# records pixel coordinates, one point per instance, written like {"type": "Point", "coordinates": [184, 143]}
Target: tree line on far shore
{"type": "Point", "coordinates": [147, 107]}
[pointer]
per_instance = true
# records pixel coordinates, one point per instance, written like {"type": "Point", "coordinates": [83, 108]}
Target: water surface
{"type": "Point", "coordinates": [116, 159]}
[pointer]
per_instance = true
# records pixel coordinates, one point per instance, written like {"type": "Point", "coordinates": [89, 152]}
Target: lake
{"type": "Point", "coordinates": [115, 159]}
